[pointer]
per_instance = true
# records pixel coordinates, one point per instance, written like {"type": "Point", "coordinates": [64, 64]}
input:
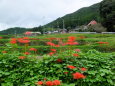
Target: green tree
{"type": "Point", "coordinates": [40, 29]}
{"type": "Point", "coordinates": [107, 13]}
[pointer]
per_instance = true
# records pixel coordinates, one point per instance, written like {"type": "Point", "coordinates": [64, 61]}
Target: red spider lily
{"type": "Point", "coordinates": [13, 41]}
{"type": "Point", "coordinates": [77, 50]}
{"type": "Point", "coordinates": [72, 43]}
{"type": "Point", "coordinates": [33, 49]}
{"type": "Point", "coordinates": [4, 51]}
{"type": "Point", "coordinates": [0, 37]}
{"type": "Point", "coordinates": [57, 45]}
{"type": "Point", "coordinates": [56, 82]}
{"type": "Point", "coordinates": [23, 41]}
{"type": "Point", "coordinates": [71, 67]}
{"type": "Point", "coordinates": [54, 50]}
{"type": "Point", "coordinates": [51, 53]}
{"type": "Point", "coordinates": [78, 75]}
{"type": "Point", "coordinates": [65, 72]}
{"type": "Point", "coordinates": [50, 43]}
{"type": "Point", "coordinates": [102, 42]}
{"type": "Point", "coordinates": [21, 57]}
{"type": "Point", "coordinates": [26, 53]}
{"type": "Point", "coordinates": [49, 83]}
{"type": "Point", "coordinates": [83, 69]}
{"type": "Point", "coordinates": [71, 39]}
{"type": "Point", "coordinates": [26, 38]}
{"type": "Point", "coordinates": [39, 83]}
{"type": "Point", "coordinates": [27, 33]}
{"type": "Point", "coordinates": [59, 60]}
{"type": "Point", "coordinates": [75, 54]}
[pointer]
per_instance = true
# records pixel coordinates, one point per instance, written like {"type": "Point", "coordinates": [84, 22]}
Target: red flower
{"type": "Point", "coordinates": [83, 69]}
{"type": "Point", "coordinates": [27, 38]}
{"type": "Point", "coordinates": [57, 45]}
{"type": "Point", "coordinates": [0, 37]}
{"type": "Point", "coordinates": [71, 39]}
{"type": "Point", "coordinates": [33, 49]}
{"type": "Point", "coordinates": [4, 51]}
{"type": "Point", "coordinates": [13, 41]}
{"type": "Point", "coordinates": [75, 54]}
{"type": "Point", "coordinates": [56, 82]}
{"type": "Point", "coordinates": [77, 50]}
{"type": "Point", "coordinates": [23, 41]}
{"type": "Point", "coordinates": [50, 43]}
{"type": "Point", "coordinates": [51, 53]}
{"type": "Point", "coordinates": [102, 42]}
{"type": "Point", "coordinates": [78, 75]}
{"type": "Point", "coordinates": [72, 43]}
{"type": "Point", "coordinates": [59, 60]}
{"type": "Point", "coordinates": [54, 50]}
{"type": "Point", "coordinates": [22, 57]}
{"type": "Point", "coordinates": [49, 83]}
{"type": "Point", "coordinates": [26, 53]}
{"type": "Point", "coordinates": [71, 67]}
{"type": "Point", "coordinates": [39, 83]}
{"type": "Point", "coordinates": [65, 72]}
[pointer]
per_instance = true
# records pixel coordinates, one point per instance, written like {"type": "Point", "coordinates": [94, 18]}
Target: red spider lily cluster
{"type": "Point", "coordinates": [52, 44]}
{"type": "Point", "coordinates": [4, 51]}
{"type": "Point", "coordinates": [0, 37]}
{"type": "Point", "coordinates": [75, 54]}
{"type": "Point", "coordinates": [33, 49]}
{"type": "Point", "coordinates": [59, 60]}
{"type": "Point", "coordinates": [71, 67]}
{"type": "Point", "coordinates": [53, 51]}
{"type": "Point", "coordinates": [23, 40]}
{"type": "Point", "coordinates": [13, 41]}
{"type": "Point", "coordinates": [26, 53]}
{"type": "Point", "coordinates": [21, 57]}
{"type": "Point", "coordinates": [77, 50]}
{"type": "Point", "coordinates": [78, 75]}
{"type": "Point", "coordinates": [71, 41]}
{"type": "Point", "coordinates": [49, 83]}
{"type": "Point", "coordinates": [103, 42]}
{"type": "Point", "coordinates": [83, 69]}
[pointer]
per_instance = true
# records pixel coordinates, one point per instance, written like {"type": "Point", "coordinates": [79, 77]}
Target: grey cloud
{"type": "Point", "coordinates": [30, 13]}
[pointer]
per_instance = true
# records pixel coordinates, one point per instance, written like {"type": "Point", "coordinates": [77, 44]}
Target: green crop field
{"type": "Point", "coordinates": [57, 60]}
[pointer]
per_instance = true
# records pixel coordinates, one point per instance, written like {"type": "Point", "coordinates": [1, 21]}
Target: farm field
{"type": "Point", "coordinates": [57, 60]}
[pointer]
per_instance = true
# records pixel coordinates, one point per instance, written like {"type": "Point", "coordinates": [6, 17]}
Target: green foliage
{"type": "Point", "coordinates": [16, 72]}
{"type": "Point", "coordinates": [80, 17]}
{"type": "Point", "coordinates": [36, 29]}
{"type": "Point", "coordinates": [38, 65]}
{"type": "Point", "coordinates": [15, 30]}
{"type": "Point", "coordinates": [107, 12]}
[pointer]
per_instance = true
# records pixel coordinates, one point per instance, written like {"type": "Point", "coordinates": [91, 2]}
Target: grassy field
{"type": "Point", "coordinates": [57, 60]}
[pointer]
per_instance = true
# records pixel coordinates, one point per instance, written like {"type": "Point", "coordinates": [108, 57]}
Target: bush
{"type": "Point", "coordinates": [25, 72]}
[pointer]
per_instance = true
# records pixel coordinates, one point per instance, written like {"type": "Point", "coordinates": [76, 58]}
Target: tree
{"type": "Point", "coordinates": [35, 29]}
{"type": "Point", "coordinates": [107, 13]}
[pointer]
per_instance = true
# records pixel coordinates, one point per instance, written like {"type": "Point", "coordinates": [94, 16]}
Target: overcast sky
{"type": "Point", "coordinates": [31, 13]}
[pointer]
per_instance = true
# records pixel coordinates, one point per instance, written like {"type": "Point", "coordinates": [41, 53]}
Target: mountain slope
{"type": "Point", "coordinates": [15, 30]}
{"type": "Point", "coordinates": [80, 17]}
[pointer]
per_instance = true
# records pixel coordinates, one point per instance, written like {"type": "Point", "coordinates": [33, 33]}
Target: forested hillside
{"type": "Point", "coordinates": [80, 17]}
